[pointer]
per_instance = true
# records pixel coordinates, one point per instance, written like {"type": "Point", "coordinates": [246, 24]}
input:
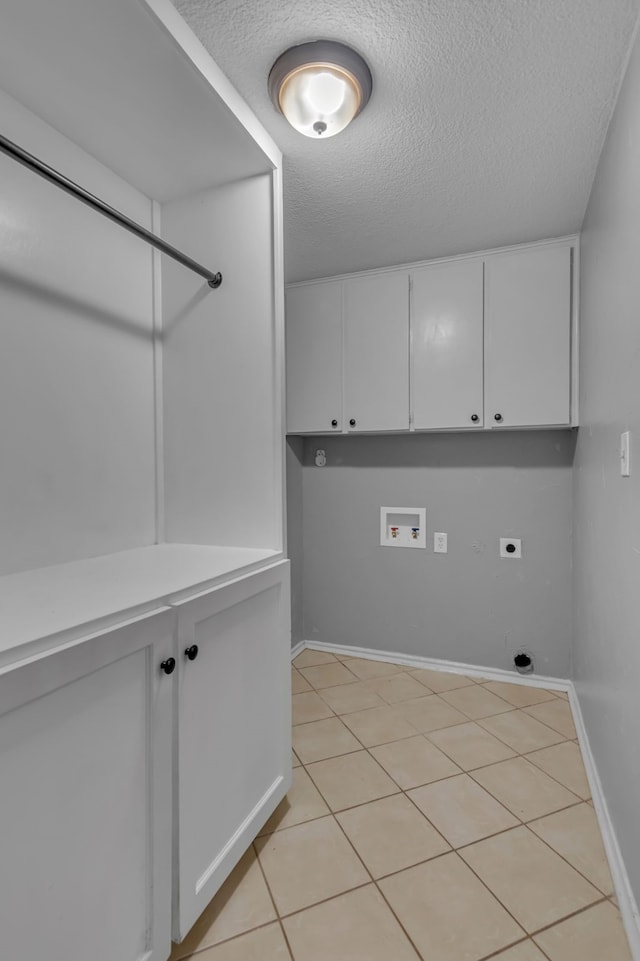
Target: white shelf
{"type": "Point", "coordinates": [49, 606]}
{"type": "Point", "coordinates": [170, 123]}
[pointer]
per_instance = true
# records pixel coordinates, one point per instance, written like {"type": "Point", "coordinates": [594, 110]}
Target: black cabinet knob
{"type": "Point", "coordinates": [352, 422]}
{"type": "Point", "coordinates": [475, 418]}
{"type": "Point", "coordinates": [497, 417]}
{"type": "Point", "coordinates": [191, 652]}
{"type": "Point", "coordinates": [169, 665]}
{"type": "Point", "coordinates": [334, 422]}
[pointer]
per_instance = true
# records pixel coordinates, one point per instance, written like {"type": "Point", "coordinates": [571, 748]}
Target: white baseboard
{"type": "Point", "coordinates": [434, 664]}
{"type": "Point", "coordinates": [298, 648]}
{"type": "Point", "coordinates": [624, 893]}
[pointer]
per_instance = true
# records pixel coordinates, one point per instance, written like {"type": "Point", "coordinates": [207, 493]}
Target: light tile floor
{"type": "Point", "coordinates": [433, 817]}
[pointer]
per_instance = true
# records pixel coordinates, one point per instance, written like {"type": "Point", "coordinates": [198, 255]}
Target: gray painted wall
{"type": "Point", "coordinates": [468, 605]}
{"type": "Point", "coordinates": [607, 507]}
{"type": "Point", "coordinates": [295, 453]}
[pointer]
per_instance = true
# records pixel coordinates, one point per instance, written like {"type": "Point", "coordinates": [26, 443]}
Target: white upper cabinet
{"type": "Point", "coordinates": [376, 352]}
{"type": "Point", "coordinates": [446, 336]}
{"type": "Point", "coordinates": [489, 344]}
{"type": "Point", "coordinates": [314, 358]}
{"type": "Point", "coordinates": [528, 337]}
{"type": "Point", "coordinates": [348, 355]}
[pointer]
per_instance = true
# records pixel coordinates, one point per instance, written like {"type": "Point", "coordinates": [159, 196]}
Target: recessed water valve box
{"type": "Point", "coordinates": [403, 527]}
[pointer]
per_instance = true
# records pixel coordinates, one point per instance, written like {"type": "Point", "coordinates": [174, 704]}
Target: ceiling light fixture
{"type": "Point", "coordinates": [320, 87]}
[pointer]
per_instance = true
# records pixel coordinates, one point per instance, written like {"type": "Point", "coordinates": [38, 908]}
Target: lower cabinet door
{"type": "Point", "coordinates": [85, 802]}
{"type": "Point", "coordinates": [233, 729]}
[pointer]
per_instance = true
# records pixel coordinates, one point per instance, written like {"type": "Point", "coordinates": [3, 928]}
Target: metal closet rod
{"type": "Point", "coordinates": [43, 169]}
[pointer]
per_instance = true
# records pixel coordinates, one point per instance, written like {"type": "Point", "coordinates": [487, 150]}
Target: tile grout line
{"type": "Point", "coordinates": [453, 849]}
{"type": "Point", "coordinates": [470, 773]}
{"type": "Point", "coordinates": [234, 937]}
{"type": "Point", "coordinates": [460, 847]}
{"type": "Point", "coordinates": [469, 719]}
{"type": "Point", "coordinates": [401, 791]}
{"type": "Point", "coordinates": [372, 879]}
{"type": "Point", "coordinates": [560, 855]}
{"type": "Point", "coordinates": [567, 737]}
{"type": "Point", "coordinates": [519, 923]}
{"type": "Point", "coordinates": [416, 732]}
{"type": "Point", "coordinates": [499, 738]}
{"type": "Point", "coordinates": [273, 900]}
{"type": "Point", "coordinates": [526, 823]}
{"type": "Point", "coordinates": [336, 651]}
{"type": "Point", "coordinates": [522, 823]}
{"type": "Point", "coordinates": [529, 938]}
{"type": "Point", "coordinates": [328, 663]}
{"type": "Point", "coordinates": [508, 947]}
{"type": "Point", "coordinates": [540, 817]}
{"type": "Point", "coordinates": [330, 897]}
{"type": "Point", "coordinates": [406, 669]}
{"type": "Point", "coordinates": [574, 914]}
{"type": "Point", "coordinates": [553, 778]}
{"type": "Point", "coordinates": [435, 730]}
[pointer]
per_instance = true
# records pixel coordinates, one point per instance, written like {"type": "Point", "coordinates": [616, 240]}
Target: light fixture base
{"type": "Point", "coordinates": [320, 86]}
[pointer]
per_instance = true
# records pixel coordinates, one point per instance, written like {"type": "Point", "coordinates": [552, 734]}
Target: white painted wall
{"type": "Point", "coordinates": [76, 365]}
{"type": "Point", "coordinates": [606, 653]}
{"type": "Point", "coordinates": [295, 514]}
{"type": "Point", "coordinates": [222, 411]}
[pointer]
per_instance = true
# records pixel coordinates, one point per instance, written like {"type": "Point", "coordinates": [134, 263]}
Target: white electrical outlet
{"type": "Point", "coordinates": [510, 547]}
{"type": "Point", "coordinates": [439, 543]}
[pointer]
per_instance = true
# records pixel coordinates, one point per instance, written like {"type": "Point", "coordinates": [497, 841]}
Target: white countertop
{"type": "Point", "coordinates": [53, 605]}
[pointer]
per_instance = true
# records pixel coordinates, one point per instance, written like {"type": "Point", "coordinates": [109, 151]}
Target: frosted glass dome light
{"type": "Point", "coordinates": [320, 87]}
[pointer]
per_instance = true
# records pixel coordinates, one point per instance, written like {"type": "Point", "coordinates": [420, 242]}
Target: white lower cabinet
{"type": "Point", "coordinates": [85, 804]}
{"type": "Point", "coordinates": [119, 745]}
{"type": "Point", "coordinates": [233, 735]}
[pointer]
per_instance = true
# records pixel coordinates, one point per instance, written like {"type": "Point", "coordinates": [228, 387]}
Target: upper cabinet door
{"type": "Point", "coordinates": [376, 352]}
{"type": "Point", "coordinates": [314, 358]}
{"type": "Point", "coordinates": [528, 337]}
{"type": "Point", "coordinates": [446, 334]}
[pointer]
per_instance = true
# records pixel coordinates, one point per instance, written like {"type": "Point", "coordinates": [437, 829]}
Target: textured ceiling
{"type": "Point", "coordinates": [484, 128]}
